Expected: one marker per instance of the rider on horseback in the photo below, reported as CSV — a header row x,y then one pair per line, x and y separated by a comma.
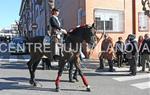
x,y
56,32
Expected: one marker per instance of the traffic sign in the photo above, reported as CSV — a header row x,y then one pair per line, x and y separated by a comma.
x,y
34,26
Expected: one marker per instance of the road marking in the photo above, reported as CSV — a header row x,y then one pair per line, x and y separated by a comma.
x,y
128,78
7,81
24,83
144,85
14,60
1,59
12,57
113,73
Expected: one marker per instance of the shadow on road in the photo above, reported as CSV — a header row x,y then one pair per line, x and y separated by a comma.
x,y
105,72
22,79
14,83
73,90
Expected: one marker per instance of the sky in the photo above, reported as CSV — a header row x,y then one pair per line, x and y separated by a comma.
x,y
9,12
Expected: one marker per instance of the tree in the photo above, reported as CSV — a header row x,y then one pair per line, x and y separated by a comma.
x,y
146,7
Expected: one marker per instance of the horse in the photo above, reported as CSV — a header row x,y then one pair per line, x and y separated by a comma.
x,y
75,37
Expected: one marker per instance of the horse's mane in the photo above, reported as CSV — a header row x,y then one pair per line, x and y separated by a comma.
x,y
78,30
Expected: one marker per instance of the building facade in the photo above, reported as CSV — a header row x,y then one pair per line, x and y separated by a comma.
x,y
114,17
9,33
34,17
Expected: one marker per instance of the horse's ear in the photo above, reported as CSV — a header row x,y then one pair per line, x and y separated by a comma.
x,y
90,27
94,26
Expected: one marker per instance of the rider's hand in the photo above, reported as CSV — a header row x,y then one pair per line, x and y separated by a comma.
x,y
63,31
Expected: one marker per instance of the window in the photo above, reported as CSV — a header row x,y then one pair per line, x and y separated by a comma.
x,y
109,20
143,22
109,24
99,24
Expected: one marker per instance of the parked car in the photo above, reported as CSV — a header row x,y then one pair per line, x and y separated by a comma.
x,y
18,46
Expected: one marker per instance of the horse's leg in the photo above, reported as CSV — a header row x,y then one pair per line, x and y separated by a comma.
x,y
75,75
48,60
48,63
60,71
30,63
70,70
32,66
78,67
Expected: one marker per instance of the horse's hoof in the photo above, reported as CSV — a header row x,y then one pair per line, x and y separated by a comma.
x,y
88,89
71,81
57,89
75,79
33,83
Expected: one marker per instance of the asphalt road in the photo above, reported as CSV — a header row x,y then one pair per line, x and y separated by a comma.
x,y
14,77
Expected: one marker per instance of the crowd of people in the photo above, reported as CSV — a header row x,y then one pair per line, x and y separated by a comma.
x,y
135,53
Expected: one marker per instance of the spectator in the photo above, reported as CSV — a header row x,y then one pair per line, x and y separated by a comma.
x,y
145,52
119,49
140,41
127,41
107,53
132,54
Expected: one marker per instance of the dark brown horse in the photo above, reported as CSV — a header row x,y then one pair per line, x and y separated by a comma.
x,y
75,37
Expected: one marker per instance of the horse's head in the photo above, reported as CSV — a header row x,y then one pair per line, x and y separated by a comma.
x,y
89,36
84,33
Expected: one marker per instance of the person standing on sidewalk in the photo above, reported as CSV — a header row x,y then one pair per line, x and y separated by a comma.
x,y
132,54
119,49
145,52
107,53
140,41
